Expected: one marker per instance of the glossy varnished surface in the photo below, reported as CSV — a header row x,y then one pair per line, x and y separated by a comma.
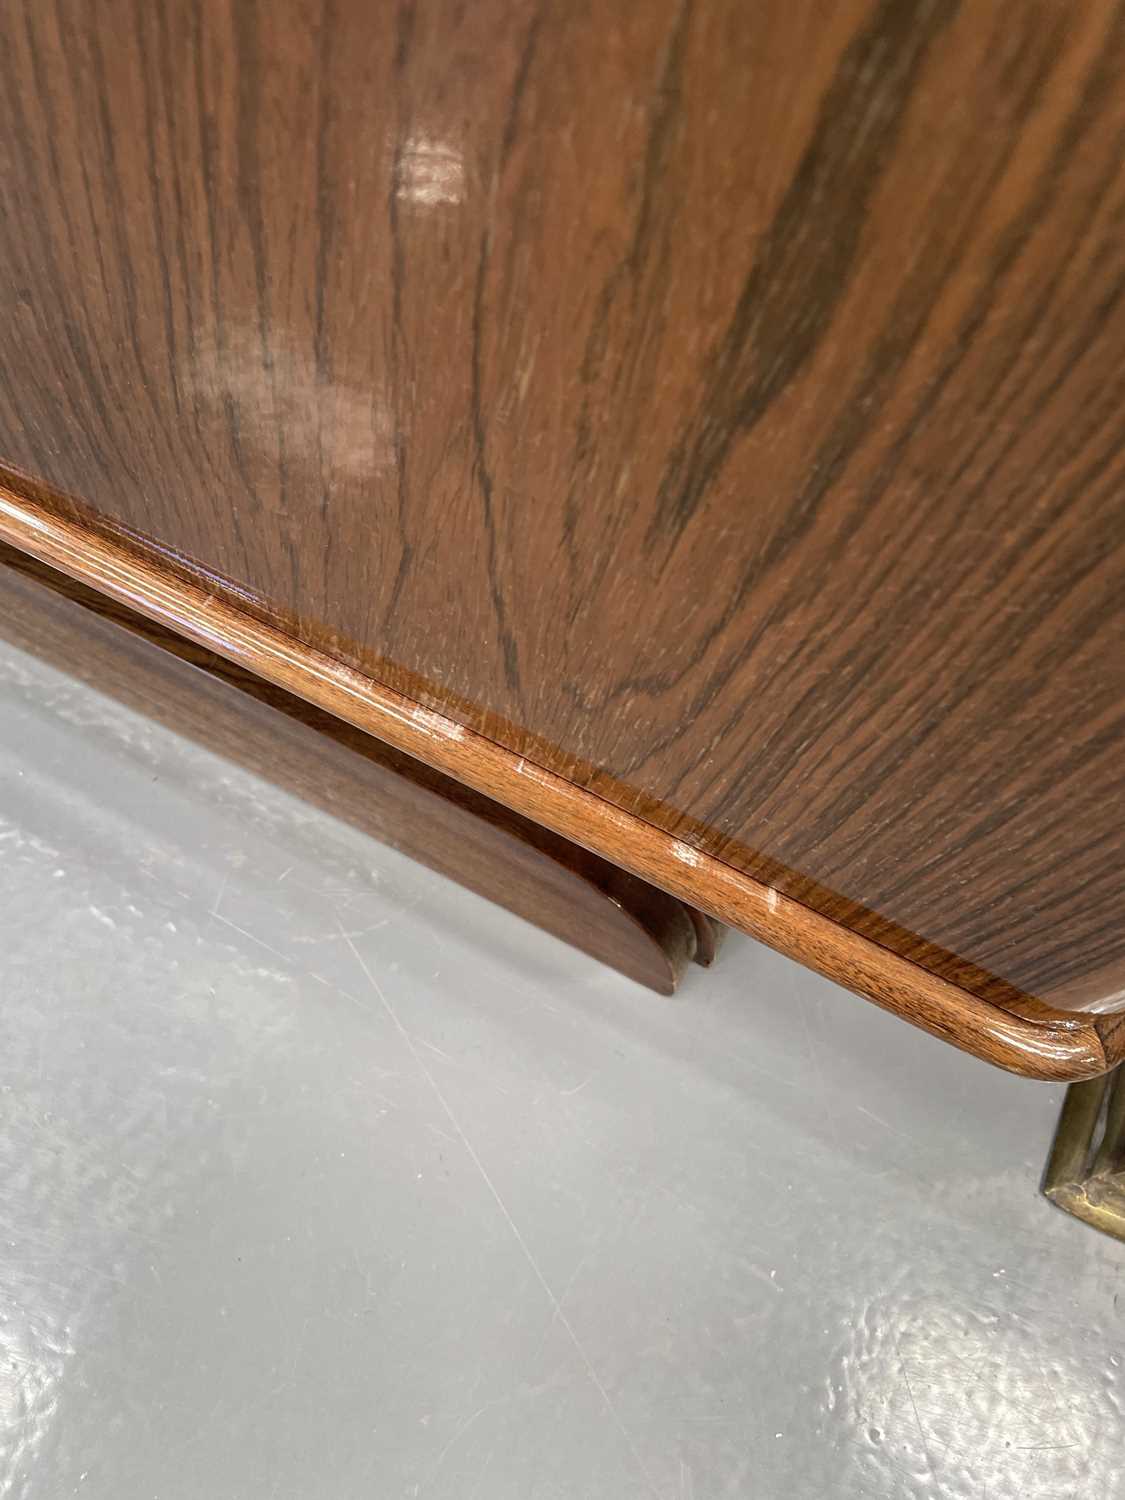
x,y
724,415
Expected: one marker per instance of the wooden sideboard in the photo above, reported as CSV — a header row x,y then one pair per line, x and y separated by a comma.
x,y
698,427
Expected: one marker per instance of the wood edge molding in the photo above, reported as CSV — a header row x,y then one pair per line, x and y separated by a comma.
x,y
1059,1047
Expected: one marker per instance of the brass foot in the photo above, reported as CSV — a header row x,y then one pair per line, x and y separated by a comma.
x,y
1086,1168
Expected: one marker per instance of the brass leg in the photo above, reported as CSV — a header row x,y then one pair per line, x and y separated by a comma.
x,y
1086,1168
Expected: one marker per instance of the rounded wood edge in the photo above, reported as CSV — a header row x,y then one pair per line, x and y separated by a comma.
x,y
1060,1048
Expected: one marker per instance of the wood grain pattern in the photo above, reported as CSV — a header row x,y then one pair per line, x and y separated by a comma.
x,y
721,414
567,891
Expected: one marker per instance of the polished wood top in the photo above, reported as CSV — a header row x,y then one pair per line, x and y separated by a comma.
x,y
721,412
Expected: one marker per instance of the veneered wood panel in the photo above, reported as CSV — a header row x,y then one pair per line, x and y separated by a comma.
x,y
719,406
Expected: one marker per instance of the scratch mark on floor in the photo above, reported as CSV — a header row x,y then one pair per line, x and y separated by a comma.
x,y
564,1321
462,1427
917,1418
571,1279
893,1130
253,939
334,937
445,1057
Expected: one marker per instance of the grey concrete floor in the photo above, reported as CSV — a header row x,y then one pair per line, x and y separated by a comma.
x,y
321,1177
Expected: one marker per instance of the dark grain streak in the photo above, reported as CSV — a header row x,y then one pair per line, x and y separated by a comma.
x,y
485,480
801,272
